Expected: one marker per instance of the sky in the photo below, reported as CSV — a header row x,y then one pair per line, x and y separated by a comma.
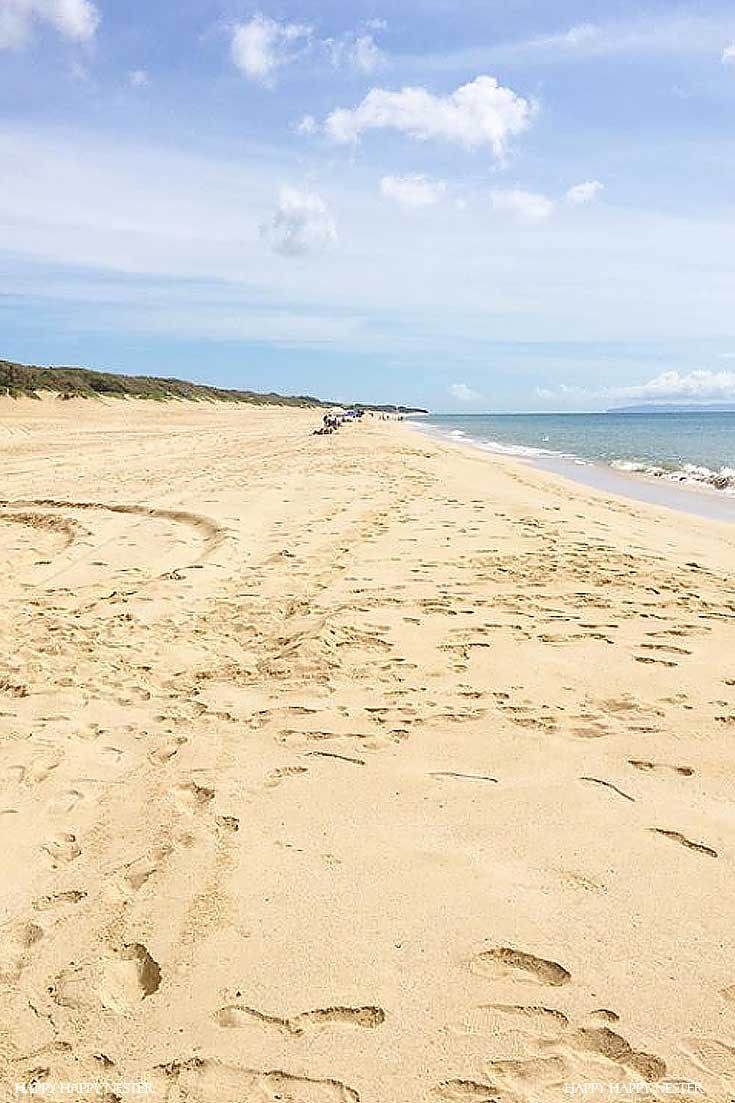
x,y
496,205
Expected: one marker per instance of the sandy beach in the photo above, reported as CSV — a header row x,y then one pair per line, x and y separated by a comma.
x,y
355,768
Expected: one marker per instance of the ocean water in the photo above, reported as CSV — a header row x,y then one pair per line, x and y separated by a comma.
x,y
693,449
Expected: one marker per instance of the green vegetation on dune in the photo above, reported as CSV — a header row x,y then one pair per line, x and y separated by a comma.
x,y
22,380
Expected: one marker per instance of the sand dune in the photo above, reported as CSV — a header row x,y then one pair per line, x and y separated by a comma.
x,y
355,768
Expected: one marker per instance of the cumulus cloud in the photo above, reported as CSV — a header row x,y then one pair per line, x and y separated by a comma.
x,y
462,393
695,386
76,20
262,46
302,224
138,78
525,204
582,194
728,55
413,191
481,113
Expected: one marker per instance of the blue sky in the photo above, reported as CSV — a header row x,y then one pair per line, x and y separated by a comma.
x,y
496,205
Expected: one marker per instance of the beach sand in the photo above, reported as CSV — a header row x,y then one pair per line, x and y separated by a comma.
x,y
357,767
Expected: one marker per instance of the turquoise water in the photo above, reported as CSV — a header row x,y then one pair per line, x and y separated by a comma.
x,y
697,449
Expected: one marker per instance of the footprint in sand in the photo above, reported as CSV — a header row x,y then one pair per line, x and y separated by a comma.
x,y
192,796
714,1056
465,1091
488,1020
505,963
533,1072
59,900
163,754
63,848
40,768
605,1015
603,1042
15,942
238,1016
116,984
209,1081
136,873
278,776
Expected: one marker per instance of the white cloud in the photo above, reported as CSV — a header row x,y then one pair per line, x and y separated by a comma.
x,y
583,34
366,55
76,20
307,125
679,32
672,32
525,204
462,393
582,194
578,35
477,114
413,191
138,78
728,55
358,50
670,386
302,224
696,386
262,46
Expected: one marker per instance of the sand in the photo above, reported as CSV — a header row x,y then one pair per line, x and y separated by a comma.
x,y
357,767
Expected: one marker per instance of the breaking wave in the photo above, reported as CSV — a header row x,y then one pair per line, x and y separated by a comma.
x,y
689,473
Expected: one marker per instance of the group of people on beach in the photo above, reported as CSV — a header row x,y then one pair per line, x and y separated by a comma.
x,y
335,418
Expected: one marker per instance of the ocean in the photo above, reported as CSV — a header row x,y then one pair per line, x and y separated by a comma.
x,y
693,450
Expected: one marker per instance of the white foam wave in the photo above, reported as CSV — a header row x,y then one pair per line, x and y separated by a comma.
x,y
514,449
690,473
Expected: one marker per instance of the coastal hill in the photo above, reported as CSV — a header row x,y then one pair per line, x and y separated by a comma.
x,y
23,380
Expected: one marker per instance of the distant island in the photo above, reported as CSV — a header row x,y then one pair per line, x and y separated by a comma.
x,y
26,381
675,408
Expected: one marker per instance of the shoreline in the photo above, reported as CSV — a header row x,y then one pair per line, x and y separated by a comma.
x,y
694,500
